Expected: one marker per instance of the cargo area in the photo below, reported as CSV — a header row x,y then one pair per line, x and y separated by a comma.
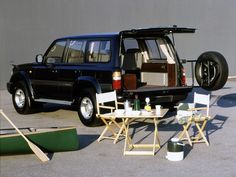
x,y
149,64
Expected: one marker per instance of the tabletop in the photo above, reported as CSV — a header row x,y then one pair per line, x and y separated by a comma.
x,y
120,113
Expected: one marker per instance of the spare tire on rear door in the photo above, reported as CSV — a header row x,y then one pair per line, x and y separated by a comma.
x,y
211,71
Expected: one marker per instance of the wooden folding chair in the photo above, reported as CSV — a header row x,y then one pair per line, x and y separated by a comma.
x,y
188,114
110,122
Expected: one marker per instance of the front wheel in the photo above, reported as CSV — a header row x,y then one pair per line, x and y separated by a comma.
x,y
87,108
21,99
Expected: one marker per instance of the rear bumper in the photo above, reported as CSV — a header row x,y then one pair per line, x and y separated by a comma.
x,y
155,90
161,94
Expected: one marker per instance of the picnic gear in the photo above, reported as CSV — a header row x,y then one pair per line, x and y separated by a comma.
x,y
194,115
175,150
111,125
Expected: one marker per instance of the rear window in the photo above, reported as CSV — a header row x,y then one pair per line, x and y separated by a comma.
x,y
154,50
159,49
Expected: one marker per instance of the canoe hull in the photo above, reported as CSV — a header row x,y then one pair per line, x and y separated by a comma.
x,y
53,140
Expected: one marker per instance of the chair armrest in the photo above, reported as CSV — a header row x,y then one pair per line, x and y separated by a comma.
x,y
197,109
201,118
184,106
107,107
106,115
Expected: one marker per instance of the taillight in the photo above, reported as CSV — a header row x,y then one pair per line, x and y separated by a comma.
x,y
116,80
183,78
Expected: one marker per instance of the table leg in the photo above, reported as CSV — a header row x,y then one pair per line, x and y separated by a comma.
x,y
126,127
156,136
129,145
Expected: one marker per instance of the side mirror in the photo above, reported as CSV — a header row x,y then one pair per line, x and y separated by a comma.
x,y
39,58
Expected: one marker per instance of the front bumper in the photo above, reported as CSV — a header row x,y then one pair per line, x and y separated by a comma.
x,y
9,87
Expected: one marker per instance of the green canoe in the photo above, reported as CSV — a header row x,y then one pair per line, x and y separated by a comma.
x,y
50,140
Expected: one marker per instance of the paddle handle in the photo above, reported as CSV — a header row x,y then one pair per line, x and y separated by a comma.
x,y
38,152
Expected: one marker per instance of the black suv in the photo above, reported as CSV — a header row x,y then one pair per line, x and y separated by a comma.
x,y
138,61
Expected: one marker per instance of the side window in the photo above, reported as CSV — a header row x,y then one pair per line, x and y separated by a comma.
x,y
130,43
76,52
99,51
55,54
154,50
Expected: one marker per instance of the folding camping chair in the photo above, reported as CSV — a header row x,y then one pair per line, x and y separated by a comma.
x,y
191,113
110,122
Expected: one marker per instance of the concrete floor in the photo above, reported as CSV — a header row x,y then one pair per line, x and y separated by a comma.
x,y
106,159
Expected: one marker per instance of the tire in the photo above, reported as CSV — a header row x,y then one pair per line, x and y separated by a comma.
x,y
211,71
21,98
87,108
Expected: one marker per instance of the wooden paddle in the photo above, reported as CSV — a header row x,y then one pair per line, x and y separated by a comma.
x,y
38,152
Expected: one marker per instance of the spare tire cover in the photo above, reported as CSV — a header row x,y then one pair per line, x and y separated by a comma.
x,y
211,71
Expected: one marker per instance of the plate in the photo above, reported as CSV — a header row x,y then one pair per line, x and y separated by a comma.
x,y
119,112
146,113
135,113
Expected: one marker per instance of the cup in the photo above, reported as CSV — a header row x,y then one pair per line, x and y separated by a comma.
x,y
158,109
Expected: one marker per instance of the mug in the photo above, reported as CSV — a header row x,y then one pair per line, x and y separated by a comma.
x,y
128,111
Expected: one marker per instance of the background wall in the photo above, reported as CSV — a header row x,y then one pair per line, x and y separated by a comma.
x,y
27,27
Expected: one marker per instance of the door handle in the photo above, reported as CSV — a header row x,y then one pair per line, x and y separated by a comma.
x,y
54,71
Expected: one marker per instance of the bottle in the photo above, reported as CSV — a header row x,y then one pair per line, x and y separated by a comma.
x,y
136,103
126,105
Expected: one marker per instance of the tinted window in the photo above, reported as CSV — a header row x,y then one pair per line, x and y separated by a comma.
x,y
130,44
76,51
154,50
99,51
55,54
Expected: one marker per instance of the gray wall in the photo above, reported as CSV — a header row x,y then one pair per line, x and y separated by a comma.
x,y
27,27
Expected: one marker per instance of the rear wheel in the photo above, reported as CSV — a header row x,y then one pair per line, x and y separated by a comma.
x,y
87,108
211,71
21,99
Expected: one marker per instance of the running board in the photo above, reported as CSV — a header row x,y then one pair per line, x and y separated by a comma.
x,y
54,101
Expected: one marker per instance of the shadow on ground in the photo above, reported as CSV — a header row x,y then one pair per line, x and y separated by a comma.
x,y
86,140
51,107
170,125
227,101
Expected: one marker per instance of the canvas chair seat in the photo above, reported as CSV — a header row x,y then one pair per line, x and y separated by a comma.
x,y
183,114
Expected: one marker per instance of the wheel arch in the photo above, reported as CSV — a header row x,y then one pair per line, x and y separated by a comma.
x,y
85,82
21,76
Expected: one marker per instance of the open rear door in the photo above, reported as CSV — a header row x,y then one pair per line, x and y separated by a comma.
x,y
156,31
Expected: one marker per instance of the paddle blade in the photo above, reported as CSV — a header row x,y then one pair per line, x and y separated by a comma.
x,y
38,152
